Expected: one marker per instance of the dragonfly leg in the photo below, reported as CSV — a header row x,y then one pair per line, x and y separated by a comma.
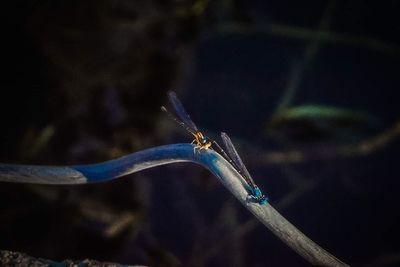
x,y
250,198
197,148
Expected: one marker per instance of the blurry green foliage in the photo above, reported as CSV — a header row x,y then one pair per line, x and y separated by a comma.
x,y
315,122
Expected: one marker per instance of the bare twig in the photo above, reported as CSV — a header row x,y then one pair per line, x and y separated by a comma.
x,y
153,157
11,258
362,148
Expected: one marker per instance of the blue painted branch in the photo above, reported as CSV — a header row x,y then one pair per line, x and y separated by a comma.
x,y
157,156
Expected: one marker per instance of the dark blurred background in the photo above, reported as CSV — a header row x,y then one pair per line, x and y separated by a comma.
x,y
306,89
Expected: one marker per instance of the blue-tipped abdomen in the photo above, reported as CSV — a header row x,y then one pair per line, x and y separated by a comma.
x,y
258,195
263,200
257,192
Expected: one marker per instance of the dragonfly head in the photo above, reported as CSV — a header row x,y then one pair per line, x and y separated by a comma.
x,y
201,139
204,140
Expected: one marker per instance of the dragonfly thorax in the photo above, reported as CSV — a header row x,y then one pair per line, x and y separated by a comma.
x,y
202,141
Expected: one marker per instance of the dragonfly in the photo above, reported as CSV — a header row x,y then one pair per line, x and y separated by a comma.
x,y
183,119
237,163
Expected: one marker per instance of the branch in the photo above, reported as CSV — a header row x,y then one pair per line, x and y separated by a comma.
x,y
11,258
162,155
362,148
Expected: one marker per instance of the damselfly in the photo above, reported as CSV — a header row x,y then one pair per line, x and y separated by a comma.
x,y
200,140
237,163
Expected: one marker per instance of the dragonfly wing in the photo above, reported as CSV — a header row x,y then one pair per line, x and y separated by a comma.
x,y
180,111
178,121
233,154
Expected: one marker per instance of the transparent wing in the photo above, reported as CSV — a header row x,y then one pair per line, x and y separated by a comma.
x,y
172,117
233,154
180,111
